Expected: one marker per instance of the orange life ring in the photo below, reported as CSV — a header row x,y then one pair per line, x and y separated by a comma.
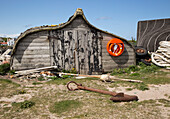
x,y
115,47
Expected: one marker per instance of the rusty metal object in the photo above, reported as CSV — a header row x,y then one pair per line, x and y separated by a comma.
x,y
117,97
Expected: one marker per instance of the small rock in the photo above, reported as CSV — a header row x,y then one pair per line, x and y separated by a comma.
x,y
21,80
105,77
32,76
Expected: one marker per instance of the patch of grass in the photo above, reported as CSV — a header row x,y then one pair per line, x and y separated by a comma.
x,y
24,105
8,88
140,68
134,74
6,81
80,116
165,102
118,71
142,87
11,72
4,68
149,69
64,106
73,71
61,78
67,76
133,68
147,74
41,78
36,83
129,89
3,110
167,96
20,92
55,78
65,81
135,104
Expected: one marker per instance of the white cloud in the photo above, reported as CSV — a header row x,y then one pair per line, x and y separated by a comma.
x,y
103,18
9,35
28,25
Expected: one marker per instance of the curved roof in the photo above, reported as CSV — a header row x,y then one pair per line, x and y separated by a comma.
x,y
78,12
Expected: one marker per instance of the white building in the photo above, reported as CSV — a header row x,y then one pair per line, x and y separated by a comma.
x,y
10,41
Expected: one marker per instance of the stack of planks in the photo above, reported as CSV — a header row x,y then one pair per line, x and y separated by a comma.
x,y
162,56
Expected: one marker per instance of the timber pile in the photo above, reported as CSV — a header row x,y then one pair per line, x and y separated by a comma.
x,y
162,56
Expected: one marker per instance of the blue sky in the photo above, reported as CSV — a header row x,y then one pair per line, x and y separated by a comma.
x,y
119,17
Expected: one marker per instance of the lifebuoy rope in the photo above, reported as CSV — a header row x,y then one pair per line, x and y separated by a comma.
x,y
115,47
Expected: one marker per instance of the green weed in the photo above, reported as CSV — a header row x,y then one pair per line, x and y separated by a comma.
x,y
143,87
165,102
64,106
24,105
36,83
55,78
67,76
134,74
140,68
4,68
9,82
21,92
41,78
73,71
11,72
129,89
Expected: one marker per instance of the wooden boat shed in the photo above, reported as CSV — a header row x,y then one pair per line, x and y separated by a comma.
x,y
74,44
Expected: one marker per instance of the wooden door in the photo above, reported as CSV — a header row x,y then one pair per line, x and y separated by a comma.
x,y
79,49
89,52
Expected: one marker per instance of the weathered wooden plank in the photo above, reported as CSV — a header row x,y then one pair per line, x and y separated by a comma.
x,y
19,68
37,35
78,23
34,48
119,64
35,38
106,41
112,67
130,51
51,44
33,44
119,61
104,46
77,52
76,29
22,68
127,57
27,60
33,56
31,52
31,64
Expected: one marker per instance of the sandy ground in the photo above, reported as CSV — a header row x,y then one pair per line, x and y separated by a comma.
x,y
154,92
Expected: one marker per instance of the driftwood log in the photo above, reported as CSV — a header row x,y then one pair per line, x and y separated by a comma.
x,y
162,56
104,77
27,72
111,78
